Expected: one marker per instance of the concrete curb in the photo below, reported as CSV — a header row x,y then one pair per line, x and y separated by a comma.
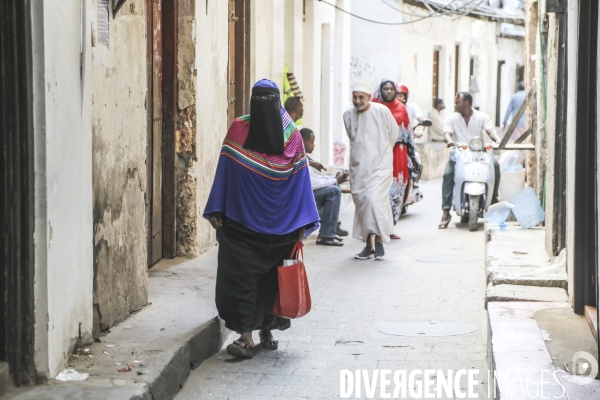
x,y
199,348
518,267
162,343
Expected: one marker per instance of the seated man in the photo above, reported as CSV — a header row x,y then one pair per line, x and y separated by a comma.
x,y
436,130
462,126
327,193
295,109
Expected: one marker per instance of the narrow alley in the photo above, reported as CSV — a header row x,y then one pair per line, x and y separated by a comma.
x,y
430,275
161,159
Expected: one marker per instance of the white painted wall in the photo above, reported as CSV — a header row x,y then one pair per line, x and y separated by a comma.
x,y
572,51
63,181
341,90
376,50
316,15
405,53
293,46
419,41
212,60
511,51
268,40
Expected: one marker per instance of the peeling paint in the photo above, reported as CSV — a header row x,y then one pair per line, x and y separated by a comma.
x,y
120,173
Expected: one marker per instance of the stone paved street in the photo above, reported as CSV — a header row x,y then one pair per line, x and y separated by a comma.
x,y
351,298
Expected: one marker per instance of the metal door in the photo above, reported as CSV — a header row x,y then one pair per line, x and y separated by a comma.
x,y
585,205
17,317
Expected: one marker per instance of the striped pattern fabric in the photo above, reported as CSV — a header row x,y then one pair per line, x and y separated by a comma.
x,y
275,167
294,85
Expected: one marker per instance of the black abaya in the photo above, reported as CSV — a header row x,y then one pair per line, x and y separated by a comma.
x,y
247,276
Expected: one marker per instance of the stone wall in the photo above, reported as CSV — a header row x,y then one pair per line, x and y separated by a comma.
x,y
185,134
119,168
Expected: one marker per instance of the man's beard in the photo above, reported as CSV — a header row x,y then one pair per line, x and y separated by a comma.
x,y
360,107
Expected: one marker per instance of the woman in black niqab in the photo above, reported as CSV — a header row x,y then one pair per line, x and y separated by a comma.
x,y
266,126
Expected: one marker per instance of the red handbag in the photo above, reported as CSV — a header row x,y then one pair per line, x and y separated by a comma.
x,y
293,299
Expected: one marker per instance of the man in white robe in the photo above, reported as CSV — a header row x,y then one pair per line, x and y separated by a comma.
x,y
373,132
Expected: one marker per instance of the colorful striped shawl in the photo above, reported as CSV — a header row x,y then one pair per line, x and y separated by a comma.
x,y
276,167
266,193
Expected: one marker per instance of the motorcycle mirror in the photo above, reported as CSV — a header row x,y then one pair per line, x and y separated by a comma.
x,y
425,122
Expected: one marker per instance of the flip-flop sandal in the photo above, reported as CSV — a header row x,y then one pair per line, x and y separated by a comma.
x,y
394,236
444,224
236,349
267,342
329,242
338,238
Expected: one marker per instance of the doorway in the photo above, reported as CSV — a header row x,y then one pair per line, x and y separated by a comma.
x,y
238,73
436,76
585,208
17,193
499,91
162,111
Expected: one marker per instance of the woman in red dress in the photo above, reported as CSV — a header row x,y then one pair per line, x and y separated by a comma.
x,y
386,95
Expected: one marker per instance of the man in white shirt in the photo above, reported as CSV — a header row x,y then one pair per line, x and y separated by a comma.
x,y
327,193
461,127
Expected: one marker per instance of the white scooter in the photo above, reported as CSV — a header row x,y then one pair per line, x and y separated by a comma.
x,y
474,180
413,192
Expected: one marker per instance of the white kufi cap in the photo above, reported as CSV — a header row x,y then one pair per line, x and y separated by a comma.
x,y
362,86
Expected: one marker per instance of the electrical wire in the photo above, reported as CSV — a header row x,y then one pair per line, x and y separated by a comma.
x,y
456,16
387,23
399,10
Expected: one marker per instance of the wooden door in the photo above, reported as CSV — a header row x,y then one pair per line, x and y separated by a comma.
x,y
233,18
242,57
156,214
238,73
435,74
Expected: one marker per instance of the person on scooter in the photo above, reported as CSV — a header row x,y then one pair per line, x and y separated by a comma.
x,y
386,95
460,127
414,112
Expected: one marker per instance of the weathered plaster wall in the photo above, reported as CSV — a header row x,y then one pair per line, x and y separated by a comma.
x,y
211,112
119,168
531,42
63,190
185,134
551,87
